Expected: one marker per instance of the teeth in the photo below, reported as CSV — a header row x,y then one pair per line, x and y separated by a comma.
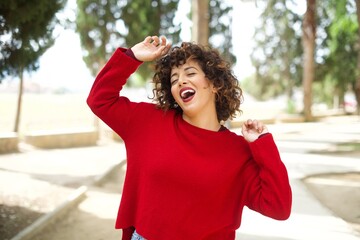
x,y
186,93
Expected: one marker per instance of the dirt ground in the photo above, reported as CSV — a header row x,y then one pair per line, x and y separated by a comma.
x,y
18,211
91,220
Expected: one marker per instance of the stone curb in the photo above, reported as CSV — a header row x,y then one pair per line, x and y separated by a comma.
x,y
99,180
71,202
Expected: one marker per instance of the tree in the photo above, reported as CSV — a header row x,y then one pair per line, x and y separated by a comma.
x,y
220,32
277,56
329,64
200,20
96,24
105,25
25,34
308,40
338,37
212,26
150,18
357,83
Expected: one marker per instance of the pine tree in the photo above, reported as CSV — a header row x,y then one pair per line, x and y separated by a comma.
x,y
25,34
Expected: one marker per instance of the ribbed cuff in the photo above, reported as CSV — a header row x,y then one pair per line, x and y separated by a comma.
x,y
131,54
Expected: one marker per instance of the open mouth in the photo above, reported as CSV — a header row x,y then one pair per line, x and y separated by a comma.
x,y
187,94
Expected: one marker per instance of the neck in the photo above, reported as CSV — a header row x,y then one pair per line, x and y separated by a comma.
x,y
208,123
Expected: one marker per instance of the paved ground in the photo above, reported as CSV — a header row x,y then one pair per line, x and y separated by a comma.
x,y
38,181
310,149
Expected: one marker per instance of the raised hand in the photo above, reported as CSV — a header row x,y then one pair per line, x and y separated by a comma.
x,y
252,129
151,48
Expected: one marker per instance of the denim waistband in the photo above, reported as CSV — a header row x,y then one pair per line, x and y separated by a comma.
x,y
137,236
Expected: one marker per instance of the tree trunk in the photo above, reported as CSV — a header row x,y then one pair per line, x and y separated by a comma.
x,y
357,83
308,40
200,19
287,75
19,102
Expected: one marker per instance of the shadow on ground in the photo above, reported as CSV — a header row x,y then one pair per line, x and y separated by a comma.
x,y
14,218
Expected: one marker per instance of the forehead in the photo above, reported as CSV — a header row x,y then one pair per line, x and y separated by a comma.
x,y
190,63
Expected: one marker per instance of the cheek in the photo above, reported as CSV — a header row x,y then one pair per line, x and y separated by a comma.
x,y
206,83
207,86
173,91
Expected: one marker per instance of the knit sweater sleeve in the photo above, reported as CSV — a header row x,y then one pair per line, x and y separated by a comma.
x,y
104,99
269,191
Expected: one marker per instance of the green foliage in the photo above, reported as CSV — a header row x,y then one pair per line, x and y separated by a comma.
x,y
264,91
104,25
338,65
96,23
25,33
278,53
220,31
323,91
155,17
144,18
277,56
291,106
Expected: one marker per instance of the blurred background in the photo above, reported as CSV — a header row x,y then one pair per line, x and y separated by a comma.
x,y
304,62
298,63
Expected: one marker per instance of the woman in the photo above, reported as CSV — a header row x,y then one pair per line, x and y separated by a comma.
x,y
188,177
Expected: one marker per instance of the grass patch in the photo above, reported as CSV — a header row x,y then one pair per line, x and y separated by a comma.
x,y
353,146
341,148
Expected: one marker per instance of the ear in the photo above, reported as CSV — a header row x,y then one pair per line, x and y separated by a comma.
x,y
214,89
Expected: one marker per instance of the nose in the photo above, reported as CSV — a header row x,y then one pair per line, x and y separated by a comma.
x,y
182,80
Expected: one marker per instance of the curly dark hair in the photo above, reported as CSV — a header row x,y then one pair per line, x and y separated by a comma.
x,y
217,71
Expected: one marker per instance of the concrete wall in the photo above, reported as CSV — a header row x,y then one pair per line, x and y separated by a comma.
x,y
8,142
62,139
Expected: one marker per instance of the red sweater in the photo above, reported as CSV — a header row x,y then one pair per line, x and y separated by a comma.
x,y
184,182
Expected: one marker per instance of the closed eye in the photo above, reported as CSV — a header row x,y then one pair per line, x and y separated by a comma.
x,y
174,81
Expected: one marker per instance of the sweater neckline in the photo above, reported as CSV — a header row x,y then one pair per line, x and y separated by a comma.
x,y
199,130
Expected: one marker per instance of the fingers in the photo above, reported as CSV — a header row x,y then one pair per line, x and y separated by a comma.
x,y
157,41
151,48
154,40
244,129
162,44
148,39
163,40
255,125
165,47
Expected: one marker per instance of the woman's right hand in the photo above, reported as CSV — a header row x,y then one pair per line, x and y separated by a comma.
x,y
151,48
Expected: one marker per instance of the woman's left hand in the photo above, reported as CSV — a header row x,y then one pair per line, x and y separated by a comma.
x,y
252,129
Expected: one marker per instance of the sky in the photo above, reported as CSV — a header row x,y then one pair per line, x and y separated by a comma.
x,y
62,66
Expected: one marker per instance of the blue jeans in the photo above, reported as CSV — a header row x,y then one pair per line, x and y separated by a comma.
x,y
136,236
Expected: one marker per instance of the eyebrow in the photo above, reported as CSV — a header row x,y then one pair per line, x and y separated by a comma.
x,y
190,67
